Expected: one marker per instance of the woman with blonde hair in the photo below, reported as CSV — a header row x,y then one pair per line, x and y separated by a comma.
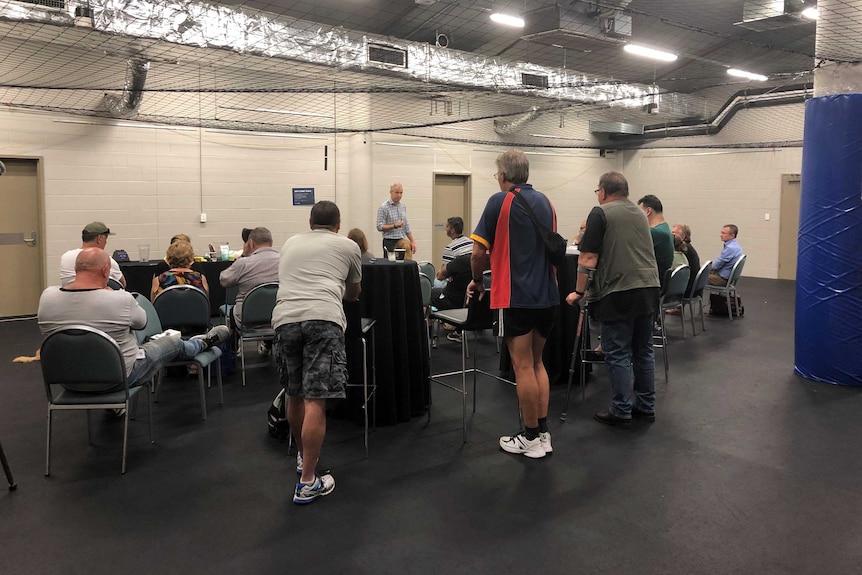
x,y
358,236
180,257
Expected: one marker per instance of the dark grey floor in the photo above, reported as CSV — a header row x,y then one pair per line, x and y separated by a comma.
x,y
749,469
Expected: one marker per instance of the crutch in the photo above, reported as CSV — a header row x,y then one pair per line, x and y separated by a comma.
x,y
576,353
12,485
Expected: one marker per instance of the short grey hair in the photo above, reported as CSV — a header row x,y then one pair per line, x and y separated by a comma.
x,y
514,166
261,235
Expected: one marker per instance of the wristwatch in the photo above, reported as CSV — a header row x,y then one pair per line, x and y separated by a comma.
x,y
580,293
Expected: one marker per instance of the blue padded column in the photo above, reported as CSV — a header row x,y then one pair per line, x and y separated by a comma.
x,y
829,270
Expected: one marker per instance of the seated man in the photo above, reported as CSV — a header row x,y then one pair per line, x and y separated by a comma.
x,y
457,275
723,264
87,301
94,235
259,267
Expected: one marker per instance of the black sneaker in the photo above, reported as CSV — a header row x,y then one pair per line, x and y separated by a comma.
x,y
218,334
645,415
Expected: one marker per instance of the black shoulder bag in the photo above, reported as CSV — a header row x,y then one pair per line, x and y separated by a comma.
x,y
555,244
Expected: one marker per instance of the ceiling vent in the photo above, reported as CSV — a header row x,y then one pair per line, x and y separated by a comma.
x,y
534,80
615,128
553,22
765,15
45,3
389,55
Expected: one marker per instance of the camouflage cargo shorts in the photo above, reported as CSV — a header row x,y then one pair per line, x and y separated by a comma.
x,y
311,359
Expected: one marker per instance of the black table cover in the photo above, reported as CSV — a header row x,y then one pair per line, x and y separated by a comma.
x,y
139,278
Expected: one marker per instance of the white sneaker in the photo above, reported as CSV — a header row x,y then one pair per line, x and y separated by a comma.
x,y
520,444
545,440
321,486
299,464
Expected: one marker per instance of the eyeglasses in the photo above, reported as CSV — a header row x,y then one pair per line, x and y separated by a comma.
x,y
597,190
494,175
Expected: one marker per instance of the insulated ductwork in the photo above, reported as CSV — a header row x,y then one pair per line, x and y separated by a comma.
x,y
506,127
554,24
127,104
191,23
764,15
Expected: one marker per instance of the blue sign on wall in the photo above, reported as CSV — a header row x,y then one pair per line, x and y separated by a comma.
x,y
303,196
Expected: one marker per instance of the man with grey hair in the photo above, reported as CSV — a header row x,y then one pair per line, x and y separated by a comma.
x,y
617,253
524,291
259,267
392,220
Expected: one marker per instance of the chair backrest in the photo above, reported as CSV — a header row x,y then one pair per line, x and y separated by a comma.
x,y
154,324
183,306
676,285
736,271
425,284
230,294
427,268
258,304
82,358
114,284
700,279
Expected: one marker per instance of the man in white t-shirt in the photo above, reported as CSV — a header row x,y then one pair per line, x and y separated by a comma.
x,y
94,235
317,270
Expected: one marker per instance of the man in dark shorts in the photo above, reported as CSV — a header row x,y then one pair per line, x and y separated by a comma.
x,y
523,290
317,270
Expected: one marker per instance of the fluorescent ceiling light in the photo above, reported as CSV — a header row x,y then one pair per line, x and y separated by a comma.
x,y
271,111
811,13
558,137
649,53
128,125
414,125
747,75
507,20
401,145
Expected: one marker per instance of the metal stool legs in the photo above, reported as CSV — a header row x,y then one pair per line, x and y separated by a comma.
x,y
12,485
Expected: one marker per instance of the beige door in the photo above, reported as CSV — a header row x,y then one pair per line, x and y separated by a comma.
x,y
788,227
20,242
451,198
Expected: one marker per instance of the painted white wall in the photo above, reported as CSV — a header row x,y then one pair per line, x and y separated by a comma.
x,y
148,184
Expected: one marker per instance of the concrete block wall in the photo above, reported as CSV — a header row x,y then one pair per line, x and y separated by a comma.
x,y
148,184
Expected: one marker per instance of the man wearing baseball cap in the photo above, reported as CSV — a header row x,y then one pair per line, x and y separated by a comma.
x,y
94,235
246,248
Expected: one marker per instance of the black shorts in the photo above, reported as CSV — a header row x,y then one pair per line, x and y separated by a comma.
x,y
513,322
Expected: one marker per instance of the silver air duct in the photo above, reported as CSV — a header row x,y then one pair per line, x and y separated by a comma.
x,y
506,127
133,92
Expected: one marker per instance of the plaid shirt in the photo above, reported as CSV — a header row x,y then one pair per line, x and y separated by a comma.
x,y
388,213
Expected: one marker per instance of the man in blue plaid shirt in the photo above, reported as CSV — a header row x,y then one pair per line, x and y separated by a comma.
x,y
392,220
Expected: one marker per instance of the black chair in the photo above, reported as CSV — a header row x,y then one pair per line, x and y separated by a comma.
x,y
183,307
114,284
671,297
696,295
256,318
203,360
729,289
85,362
477,316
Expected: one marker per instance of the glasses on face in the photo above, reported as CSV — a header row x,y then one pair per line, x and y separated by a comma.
x,y
597,190
494,175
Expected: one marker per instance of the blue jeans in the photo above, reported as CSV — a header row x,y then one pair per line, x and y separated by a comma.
x,y
160,352
627,345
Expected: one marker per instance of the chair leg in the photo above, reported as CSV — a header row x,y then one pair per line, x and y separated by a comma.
x,y
218,381
664,346
7,470
691,317
48,444
682,319
242,359
125,437
464,387
365,390
729,311
150,415
702,321
203,390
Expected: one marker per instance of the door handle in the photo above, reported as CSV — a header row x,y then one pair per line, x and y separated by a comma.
x,y
31,241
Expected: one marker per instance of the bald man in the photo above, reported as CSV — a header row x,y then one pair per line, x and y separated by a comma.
x,y
88,301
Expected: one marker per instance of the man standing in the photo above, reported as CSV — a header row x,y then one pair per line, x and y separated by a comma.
x,y
683,232
618,249
524,291
392,220
86,301
723,264
662,240
94,235
318,269
260,266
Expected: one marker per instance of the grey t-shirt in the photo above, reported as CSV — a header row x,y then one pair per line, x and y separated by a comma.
x,y
67,267
114,312
312,273
247,273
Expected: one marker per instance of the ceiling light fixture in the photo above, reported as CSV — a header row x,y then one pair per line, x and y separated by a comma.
x,y
264,134
639,50
128,125
747,75
558,137
271,111
811,13
401,145
507,20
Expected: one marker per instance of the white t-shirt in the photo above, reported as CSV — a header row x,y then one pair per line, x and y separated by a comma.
x,y
313,271
67,267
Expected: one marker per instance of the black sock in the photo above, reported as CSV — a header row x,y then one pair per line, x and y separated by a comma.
x,y
531,433
543,425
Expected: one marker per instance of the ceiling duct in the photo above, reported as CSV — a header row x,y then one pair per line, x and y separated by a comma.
x,y
597,127
133,92
508,127
554,24
218,26
764,15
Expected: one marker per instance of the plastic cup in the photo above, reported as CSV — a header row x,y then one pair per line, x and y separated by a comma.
x,y
144,252
391,256
400,254
225,252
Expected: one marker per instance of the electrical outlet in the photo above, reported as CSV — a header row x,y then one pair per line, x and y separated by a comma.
x,y
204,217
766,217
